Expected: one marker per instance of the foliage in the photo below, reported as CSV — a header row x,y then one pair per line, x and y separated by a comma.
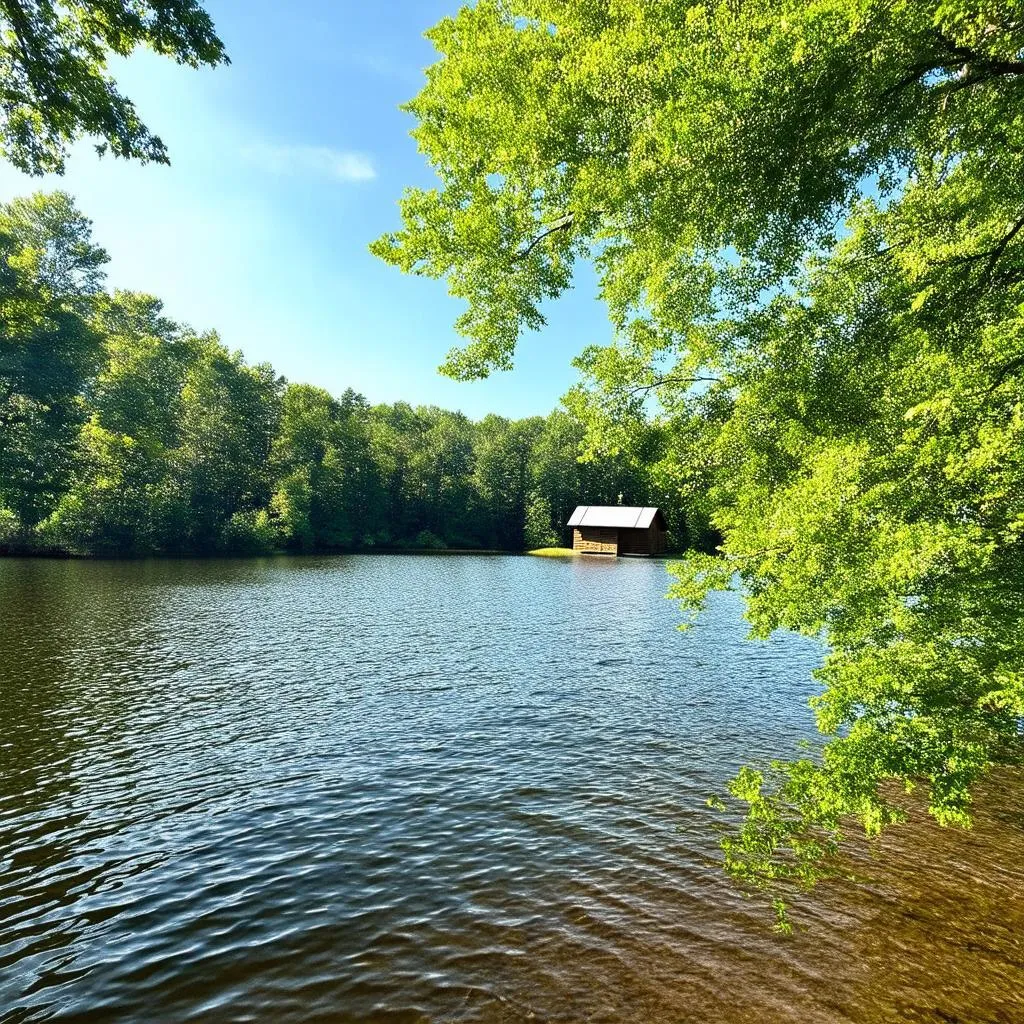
x,y
53,59
48,350
250,532
537,528
428,541
124,433
9,528
806,221
218,468
502,471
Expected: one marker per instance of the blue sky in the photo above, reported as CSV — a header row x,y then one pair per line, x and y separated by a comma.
x,y
285,165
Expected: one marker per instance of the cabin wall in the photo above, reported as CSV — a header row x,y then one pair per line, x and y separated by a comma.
x,y
659,539
651,541
597,540
634,542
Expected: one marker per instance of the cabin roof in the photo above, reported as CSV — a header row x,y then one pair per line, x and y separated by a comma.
x,y
627,517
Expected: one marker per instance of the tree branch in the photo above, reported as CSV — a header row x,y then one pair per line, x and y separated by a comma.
x,y
19,23
1004,371
672,380
992,257
1000,248
562,225
969,61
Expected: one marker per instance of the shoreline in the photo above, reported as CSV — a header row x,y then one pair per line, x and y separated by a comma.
x,y
180,556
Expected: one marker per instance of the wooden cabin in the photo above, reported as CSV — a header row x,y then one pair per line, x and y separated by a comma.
x,y
618,530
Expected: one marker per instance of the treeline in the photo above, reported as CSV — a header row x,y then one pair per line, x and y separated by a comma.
x,y
123,432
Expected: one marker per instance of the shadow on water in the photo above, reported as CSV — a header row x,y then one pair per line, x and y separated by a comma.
x,y
438,789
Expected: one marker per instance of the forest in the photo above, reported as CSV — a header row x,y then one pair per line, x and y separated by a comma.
x,y
125,433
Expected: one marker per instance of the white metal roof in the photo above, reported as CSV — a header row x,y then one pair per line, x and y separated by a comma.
x,y
623,516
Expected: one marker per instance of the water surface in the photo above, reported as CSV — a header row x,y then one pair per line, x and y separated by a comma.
x,y
437,789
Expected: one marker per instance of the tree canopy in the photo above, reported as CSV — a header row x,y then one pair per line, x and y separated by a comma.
x,y
806,219
53,60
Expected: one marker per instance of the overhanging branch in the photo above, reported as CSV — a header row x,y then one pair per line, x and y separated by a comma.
x,y
563,224
662,381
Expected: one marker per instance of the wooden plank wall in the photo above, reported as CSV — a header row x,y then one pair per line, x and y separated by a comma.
x,y
642,542
601,540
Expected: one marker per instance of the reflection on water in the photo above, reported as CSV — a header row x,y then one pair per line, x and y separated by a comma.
x,y
436,789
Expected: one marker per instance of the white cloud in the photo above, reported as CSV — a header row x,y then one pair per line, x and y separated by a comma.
x,y
324,161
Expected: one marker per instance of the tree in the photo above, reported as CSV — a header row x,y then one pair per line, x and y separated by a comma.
x,y
362,501
538,531
115,499
442,464
48,351
299,455
329,485
53,59
808,229
138,389
503,451
220,479
557,474
109,506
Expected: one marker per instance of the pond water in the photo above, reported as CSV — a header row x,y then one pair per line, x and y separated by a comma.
x,y
438,789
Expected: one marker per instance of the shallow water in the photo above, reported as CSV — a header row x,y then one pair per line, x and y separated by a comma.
x,y
437,789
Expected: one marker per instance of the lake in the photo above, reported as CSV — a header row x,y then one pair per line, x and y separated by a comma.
x,y
412,788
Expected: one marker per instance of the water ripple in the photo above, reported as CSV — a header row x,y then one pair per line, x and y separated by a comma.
x,y
437,789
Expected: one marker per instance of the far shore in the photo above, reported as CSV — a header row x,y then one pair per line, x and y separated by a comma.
x,y
315,553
